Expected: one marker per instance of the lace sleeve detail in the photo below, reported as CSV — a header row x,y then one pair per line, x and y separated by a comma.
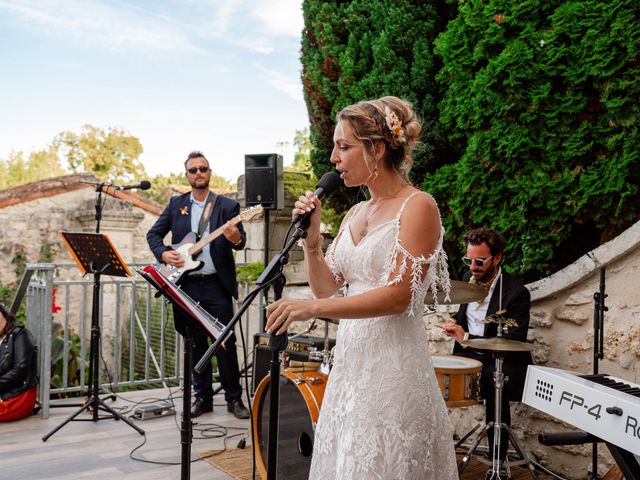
x,y
426,274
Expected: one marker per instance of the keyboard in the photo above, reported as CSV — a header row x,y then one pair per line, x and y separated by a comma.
x,y
605,406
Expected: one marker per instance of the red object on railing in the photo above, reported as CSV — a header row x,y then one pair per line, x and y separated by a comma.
x,y
54,308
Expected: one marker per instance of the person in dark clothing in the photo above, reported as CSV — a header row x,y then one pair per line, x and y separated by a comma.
x,y
214,285
507,297
18,361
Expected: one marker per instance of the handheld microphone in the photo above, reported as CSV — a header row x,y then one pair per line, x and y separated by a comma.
x,y
143,185
328,183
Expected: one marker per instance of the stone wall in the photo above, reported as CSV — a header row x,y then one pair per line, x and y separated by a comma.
x,y
32,222
32,225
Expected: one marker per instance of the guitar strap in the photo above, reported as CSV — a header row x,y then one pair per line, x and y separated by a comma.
x,y
206,213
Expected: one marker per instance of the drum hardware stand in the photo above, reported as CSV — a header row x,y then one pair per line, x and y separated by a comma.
x,y
497,471
94,253
272,274
497,464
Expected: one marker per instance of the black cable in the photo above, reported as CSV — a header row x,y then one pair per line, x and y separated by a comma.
x,y
206,431
286,237
547,471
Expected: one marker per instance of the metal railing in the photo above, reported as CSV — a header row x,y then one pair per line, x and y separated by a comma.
x,y
138,341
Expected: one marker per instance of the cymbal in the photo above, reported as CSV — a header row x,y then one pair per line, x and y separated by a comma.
x,y
497,344
461,292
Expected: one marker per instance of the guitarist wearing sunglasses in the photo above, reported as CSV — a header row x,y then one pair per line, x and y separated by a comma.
x,y
212,280
506,296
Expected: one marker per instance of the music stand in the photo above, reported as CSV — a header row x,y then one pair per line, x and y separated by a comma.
x,y
94,253
199,318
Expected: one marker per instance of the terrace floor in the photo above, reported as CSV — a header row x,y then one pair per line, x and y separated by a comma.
x,y
87,449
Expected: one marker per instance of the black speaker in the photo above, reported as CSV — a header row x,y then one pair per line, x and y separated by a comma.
x,y
297,349
263,180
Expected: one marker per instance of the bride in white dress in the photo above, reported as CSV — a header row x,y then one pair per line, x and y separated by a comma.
x,y
383,415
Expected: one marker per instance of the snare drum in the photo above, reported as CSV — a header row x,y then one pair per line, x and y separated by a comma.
x,y
458,378
300,401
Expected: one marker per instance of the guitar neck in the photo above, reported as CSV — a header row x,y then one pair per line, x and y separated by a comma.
x,y
198,246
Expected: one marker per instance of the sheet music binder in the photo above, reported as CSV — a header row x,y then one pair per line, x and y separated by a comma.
x,y
93,252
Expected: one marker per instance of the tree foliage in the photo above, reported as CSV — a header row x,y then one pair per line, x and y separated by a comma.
x,y
41,164
302,155
366,49
108,153
541,99
537,99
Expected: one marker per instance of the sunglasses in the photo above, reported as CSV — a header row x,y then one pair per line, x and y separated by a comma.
x,y
479,261
193,170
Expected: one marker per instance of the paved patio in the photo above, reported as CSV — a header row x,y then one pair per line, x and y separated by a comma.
x,y
87,449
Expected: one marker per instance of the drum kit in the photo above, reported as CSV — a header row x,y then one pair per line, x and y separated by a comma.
x,y
302,391
302,385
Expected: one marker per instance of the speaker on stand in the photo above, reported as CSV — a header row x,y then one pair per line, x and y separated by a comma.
x,y
263,185
263,180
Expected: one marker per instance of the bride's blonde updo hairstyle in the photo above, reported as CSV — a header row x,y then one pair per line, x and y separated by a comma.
x,y
390,120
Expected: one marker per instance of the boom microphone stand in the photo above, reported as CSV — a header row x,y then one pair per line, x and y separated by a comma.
x,y
271,274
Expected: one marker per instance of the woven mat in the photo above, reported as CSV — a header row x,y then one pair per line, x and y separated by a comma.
x,y
235,462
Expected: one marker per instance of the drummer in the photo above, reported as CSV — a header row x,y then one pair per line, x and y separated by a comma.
x,y
506,295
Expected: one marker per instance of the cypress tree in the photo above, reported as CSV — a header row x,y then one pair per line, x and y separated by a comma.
x,y
363,49
541,100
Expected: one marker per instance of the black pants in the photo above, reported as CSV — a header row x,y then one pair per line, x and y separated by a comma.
x,y
214,299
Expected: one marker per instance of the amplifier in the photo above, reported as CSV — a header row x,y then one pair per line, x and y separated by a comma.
x,y
297,349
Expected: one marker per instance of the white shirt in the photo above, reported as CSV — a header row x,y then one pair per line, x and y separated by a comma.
x,y
477,312
197,209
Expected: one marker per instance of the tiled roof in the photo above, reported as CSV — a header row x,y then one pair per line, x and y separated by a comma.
x,y
68,183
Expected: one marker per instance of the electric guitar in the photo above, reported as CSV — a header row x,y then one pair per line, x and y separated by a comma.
x,y
189,247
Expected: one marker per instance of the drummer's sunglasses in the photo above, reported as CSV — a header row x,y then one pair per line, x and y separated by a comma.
x,y
479,261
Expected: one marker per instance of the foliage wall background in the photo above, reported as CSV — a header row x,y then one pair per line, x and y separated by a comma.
x,y
538,100
362,49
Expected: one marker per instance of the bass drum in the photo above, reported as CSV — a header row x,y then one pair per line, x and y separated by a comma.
x,y
300,401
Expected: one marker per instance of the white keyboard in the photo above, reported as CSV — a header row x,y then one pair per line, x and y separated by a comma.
x,y
604,406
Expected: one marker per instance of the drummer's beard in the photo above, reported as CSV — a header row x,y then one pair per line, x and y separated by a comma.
x,y
486,277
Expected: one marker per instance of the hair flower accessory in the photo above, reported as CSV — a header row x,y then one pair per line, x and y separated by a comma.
x,y
393,123
184,211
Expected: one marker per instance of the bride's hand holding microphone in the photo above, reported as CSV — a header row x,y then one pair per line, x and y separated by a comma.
x,y
307,209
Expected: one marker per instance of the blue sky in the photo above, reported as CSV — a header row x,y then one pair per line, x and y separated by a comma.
x,y
221,76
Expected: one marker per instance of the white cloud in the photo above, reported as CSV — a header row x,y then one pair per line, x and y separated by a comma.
x,y
281,17
93,23
262,26
289,85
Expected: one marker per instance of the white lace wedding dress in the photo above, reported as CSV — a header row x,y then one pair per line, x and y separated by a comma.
x,y
383,415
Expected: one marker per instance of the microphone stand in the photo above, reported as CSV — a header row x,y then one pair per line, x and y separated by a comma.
x,y
598,354
277,343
